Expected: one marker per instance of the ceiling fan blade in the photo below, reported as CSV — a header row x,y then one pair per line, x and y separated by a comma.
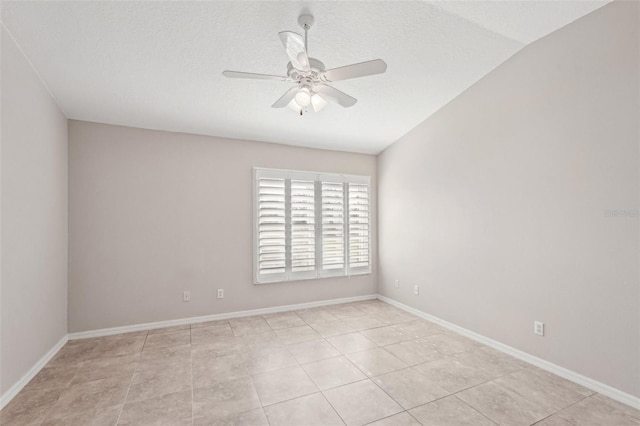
x,y
294,45
377,66
335,95
239,74
286,98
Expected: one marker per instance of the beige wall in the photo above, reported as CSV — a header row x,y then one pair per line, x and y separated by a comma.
x,y
495,205
155,213
34,218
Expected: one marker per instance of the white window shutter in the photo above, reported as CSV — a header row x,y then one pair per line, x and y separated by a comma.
x,y
359,250
333,232
310,225
271,239
302,228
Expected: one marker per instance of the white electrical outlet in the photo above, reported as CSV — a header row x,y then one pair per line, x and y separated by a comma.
x,y
186,296
220,293
396,283
538,328
416,289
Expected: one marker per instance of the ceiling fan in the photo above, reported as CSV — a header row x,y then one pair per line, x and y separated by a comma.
x,y
310,76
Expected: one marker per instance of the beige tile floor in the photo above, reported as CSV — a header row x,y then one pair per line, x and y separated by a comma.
x,y
354,364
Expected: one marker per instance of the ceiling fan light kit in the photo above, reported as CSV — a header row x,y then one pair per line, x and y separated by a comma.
x,y
311,93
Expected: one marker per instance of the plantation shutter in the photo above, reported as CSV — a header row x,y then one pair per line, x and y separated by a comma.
x,y
359,255
310,225
303,231
333,232
271,241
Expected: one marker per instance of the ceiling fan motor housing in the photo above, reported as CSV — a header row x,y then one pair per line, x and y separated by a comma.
x,y
315,72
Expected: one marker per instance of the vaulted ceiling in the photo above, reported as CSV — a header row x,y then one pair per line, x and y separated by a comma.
x,y
158,65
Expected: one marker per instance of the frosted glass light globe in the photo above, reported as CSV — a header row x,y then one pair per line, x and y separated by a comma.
x,y
303,97
318,102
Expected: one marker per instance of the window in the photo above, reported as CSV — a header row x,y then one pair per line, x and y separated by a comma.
x,y
310,225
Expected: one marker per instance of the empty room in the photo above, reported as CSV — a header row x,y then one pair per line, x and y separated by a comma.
x,y
301,213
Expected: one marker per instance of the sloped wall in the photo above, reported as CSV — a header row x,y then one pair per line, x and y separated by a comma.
x,y
518,201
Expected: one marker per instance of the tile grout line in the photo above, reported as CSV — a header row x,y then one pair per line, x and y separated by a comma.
x,y
49,410
455,394
562,409
389,416
366,378
332,407
437,399
299,365
259,399
311,380
286,347
124,401
413,417
370,378
476,410
249,375
385,392
191,363
262,406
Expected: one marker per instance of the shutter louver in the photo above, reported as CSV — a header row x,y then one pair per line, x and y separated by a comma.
x,y
271,226
332,194
358,226
303,231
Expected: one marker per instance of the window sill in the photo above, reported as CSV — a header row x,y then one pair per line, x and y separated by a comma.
x,y
357,274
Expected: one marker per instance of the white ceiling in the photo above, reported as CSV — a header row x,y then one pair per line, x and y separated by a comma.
x,y
158,65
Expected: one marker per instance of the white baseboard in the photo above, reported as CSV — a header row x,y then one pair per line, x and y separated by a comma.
x,y
585,381
17,387
214,317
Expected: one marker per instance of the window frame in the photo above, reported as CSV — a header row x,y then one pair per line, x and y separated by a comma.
x,y
317,178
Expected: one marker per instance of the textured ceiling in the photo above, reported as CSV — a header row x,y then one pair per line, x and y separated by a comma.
x,y
158,65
